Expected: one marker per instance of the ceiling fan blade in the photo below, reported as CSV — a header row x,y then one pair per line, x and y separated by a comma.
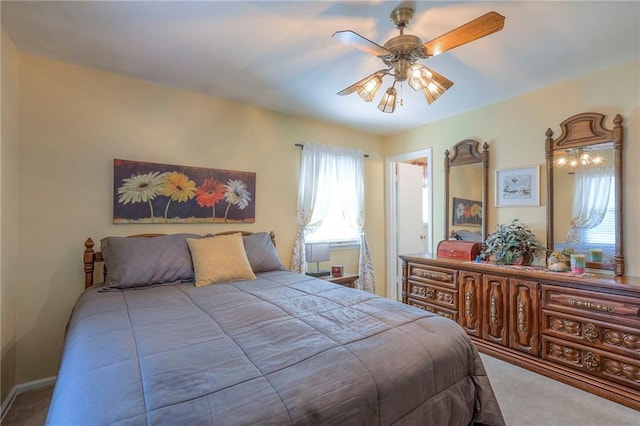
x,y
352,39
349,90
486,24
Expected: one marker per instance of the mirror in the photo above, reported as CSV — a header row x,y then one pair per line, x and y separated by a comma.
x,y
584,190
466,172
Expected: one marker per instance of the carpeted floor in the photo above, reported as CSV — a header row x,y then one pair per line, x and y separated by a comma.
x,y
530,399
29,408
526,399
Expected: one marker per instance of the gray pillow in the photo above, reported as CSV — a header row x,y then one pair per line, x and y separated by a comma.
x,y
141,262
261,253
465,235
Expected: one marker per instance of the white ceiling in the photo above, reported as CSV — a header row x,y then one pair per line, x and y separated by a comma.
x,y
280,55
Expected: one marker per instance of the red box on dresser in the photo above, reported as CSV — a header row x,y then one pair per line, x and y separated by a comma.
x,y
460,250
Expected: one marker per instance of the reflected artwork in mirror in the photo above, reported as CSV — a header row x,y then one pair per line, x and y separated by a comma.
x,y
584,191
466,173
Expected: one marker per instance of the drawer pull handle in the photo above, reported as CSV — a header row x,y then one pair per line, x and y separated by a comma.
x,y
590,333
468,303
493,310
522,316
585,304
590,361
432,275
617,308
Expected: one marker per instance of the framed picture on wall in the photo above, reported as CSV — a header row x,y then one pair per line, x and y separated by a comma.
x,y
165,193
518,187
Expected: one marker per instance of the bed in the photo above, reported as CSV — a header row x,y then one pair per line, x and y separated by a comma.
x,y
168,338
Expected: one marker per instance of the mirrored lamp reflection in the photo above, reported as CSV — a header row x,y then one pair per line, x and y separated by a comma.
x,y
575,158
317,252
368,89
388,101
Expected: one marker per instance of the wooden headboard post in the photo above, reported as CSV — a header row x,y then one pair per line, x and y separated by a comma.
x,y
89,262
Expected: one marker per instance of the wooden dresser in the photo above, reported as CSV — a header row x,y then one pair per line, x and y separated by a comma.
x,y
581,331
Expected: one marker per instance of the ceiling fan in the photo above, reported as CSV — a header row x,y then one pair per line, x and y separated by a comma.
x,y
402,53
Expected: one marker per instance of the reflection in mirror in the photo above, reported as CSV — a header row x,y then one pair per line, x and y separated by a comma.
x,y
583,191
466,171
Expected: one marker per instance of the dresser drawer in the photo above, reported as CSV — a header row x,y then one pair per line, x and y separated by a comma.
x,y
443,312
433,275
593,333
608,366
433,294
608,307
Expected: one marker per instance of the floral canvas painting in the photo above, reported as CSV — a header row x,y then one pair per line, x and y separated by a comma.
x,y
467,212
164,193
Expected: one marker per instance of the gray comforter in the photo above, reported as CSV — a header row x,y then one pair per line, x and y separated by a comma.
x,y
283,349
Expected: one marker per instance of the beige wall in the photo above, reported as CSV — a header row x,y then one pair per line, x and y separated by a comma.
x,y
9,211
75,121
515,130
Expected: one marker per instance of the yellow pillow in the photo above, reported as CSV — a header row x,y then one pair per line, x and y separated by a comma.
x,y
221,258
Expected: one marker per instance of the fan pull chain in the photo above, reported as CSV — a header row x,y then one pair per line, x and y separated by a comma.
x,y
401,98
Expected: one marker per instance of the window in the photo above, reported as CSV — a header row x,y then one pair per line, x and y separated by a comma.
x,y
334,228
331,205
604,233
334,225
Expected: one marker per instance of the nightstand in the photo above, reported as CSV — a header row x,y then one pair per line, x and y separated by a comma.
x,y
347,280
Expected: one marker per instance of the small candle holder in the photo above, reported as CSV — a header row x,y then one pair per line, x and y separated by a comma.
x,y
578,263
337,270
595,255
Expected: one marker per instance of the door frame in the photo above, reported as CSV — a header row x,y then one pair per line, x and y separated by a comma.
x,y
393,287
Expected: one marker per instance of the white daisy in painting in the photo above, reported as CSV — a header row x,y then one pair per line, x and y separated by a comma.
x,y
237,195
141,188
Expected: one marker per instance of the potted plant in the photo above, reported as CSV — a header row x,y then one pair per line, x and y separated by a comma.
x,y
512,243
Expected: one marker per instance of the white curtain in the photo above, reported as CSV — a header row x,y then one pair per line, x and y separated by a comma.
x,y
329,171
591,196
312,189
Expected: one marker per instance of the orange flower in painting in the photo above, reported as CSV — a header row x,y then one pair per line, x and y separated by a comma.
x,y
467,212
209,193
179,187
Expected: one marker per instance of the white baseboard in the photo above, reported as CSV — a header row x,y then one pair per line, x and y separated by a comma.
x,y
21,388
8,401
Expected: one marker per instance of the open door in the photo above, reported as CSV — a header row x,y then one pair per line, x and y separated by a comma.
x,y
409,225
410,209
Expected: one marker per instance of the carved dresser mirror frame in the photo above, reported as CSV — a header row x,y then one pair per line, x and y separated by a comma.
x,y
581,130
466,152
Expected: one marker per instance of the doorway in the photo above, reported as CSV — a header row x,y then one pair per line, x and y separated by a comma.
x,y
409,206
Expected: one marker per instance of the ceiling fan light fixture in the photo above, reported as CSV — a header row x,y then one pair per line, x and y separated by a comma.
x,y
419,76
436,86
402,52
367,89
440,80
432,92
388,102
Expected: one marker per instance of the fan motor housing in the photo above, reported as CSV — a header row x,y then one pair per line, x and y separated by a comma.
x,y
403,44
406,50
